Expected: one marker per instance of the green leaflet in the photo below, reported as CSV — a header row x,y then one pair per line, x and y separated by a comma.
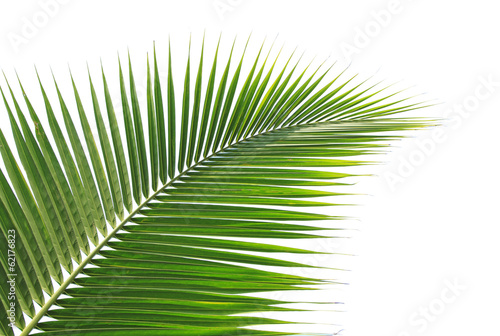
x,y
109,159
171,117
196,110
185,113
132,145
153,131
104,187
138,128
118,148
215,119
160,123
207,106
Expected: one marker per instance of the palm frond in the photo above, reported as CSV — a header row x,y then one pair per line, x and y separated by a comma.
x,y
249,153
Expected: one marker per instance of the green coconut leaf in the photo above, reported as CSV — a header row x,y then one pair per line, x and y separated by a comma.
x,y
199,217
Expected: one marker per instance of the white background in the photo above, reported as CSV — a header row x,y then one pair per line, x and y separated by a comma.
x,y
439,223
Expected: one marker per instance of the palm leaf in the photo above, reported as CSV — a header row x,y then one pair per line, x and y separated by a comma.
x,y
174,262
